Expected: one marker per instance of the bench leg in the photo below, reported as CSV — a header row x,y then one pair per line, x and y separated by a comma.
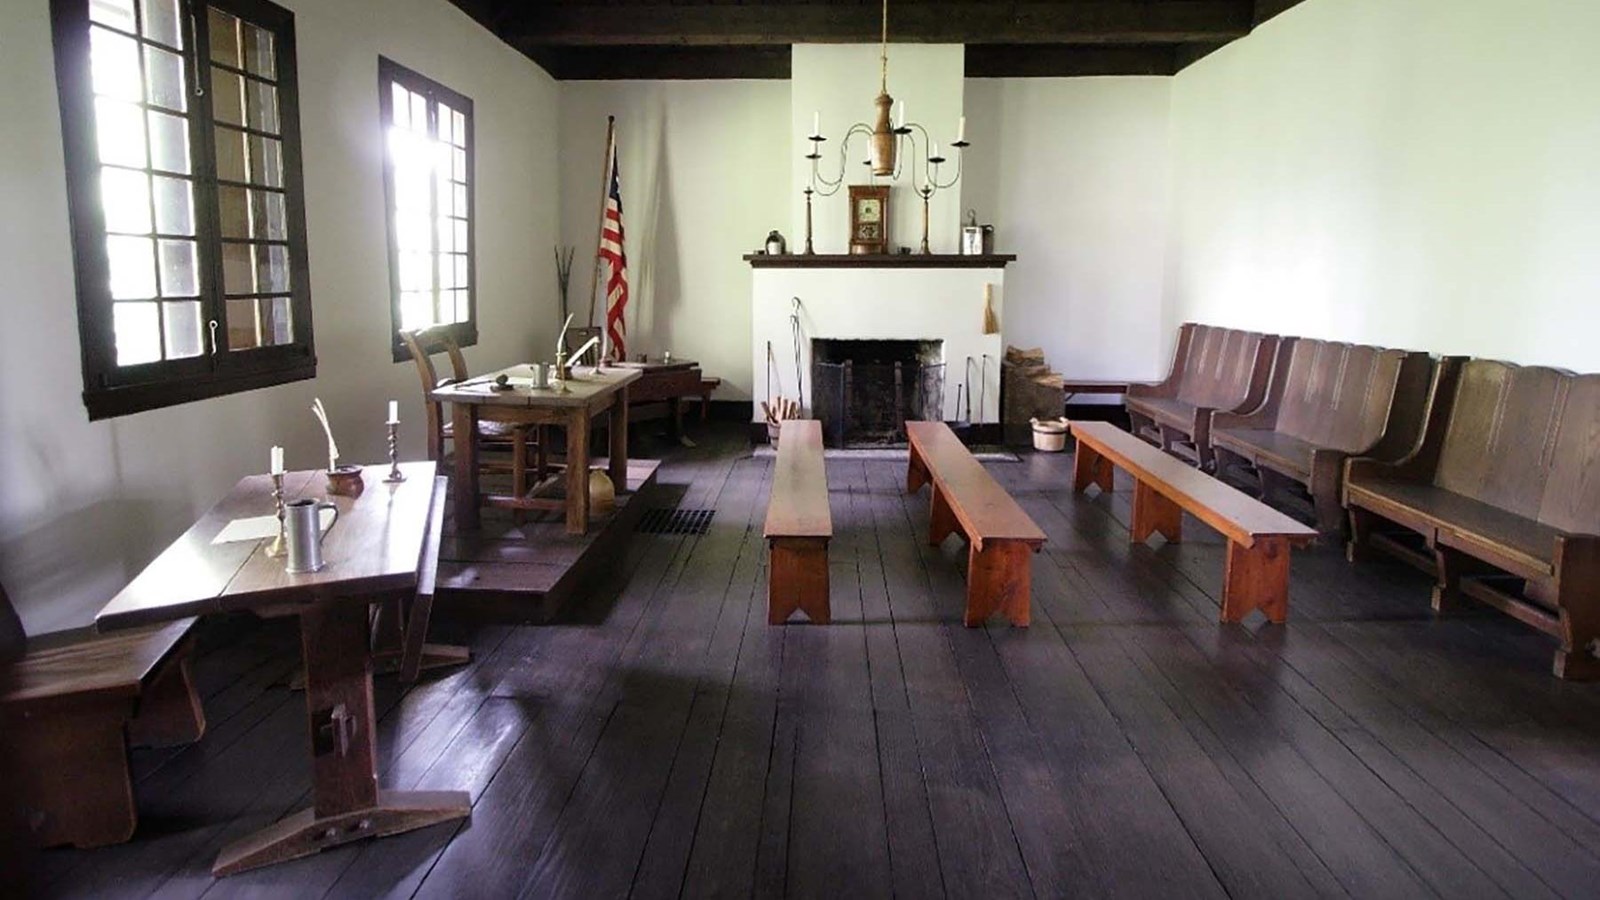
x,y
1578,589
941,519
999,579
1257,578
1359,546
1152,513
797,578
169,711
1089,467
72,775
1327,471
916,472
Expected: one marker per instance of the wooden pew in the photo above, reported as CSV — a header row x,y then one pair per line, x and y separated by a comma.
x,y
1328,401
799,526
1260,538
968,501
1212,369
1504,489
70,705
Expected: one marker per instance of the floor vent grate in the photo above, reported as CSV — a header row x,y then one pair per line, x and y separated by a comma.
x,y
676,521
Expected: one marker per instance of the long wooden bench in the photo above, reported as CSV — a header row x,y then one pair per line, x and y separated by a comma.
x,y
1328,401
1256,574
1212,369
1504,489
968,501
799,526
70,705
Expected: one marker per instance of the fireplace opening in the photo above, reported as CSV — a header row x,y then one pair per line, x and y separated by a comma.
x,y
864,391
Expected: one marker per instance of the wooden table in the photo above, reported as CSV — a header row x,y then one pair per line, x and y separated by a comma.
x,y
382,545
588,393
663,381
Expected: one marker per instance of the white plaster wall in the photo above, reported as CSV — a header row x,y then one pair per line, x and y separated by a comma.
x,y
1074,175
704,168
841,81
899,304
1417,173
85,506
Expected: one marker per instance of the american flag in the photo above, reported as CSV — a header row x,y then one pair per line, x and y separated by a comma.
x,y
616,258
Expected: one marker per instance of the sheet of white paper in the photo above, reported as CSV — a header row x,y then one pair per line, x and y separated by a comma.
x,y
258,528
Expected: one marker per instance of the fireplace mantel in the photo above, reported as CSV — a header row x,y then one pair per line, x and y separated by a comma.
x,y
879,261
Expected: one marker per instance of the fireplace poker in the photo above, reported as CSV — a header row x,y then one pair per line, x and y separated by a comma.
x,y
983,385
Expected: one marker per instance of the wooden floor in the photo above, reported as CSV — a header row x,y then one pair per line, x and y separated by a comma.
x,y
664,741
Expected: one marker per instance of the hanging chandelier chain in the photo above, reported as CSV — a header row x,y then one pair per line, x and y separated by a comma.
x,y
883,52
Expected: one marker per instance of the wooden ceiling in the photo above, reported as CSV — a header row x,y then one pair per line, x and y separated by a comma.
x,y
596,39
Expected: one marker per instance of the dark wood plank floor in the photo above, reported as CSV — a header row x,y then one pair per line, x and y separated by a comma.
x,y
663,741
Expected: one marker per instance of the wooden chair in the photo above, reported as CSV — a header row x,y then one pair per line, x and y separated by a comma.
x,y
1328,402
70,705
1504,490
493,436
1212,369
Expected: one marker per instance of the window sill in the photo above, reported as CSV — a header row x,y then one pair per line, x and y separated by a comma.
x,y
109,403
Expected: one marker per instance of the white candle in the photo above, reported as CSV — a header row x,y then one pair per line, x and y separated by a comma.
x,y
394,412
816,123
900,119
933,149
961,130
277,460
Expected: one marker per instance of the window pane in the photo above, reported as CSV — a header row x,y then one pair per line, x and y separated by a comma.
x,y
269,217
114,64
419,113
266,161
260,56
224,37
416,271
116,13
463,312
230,154
411,230
262,105
447,233
169,143
163,72
179,275
233,211
238,272
272,269
133,267
444,123
460,129
227,97
174,206
416,310
181,321
277,327
461,235
462,279
244,331
161,21
138,329
461,200
400,106
458,167
125,194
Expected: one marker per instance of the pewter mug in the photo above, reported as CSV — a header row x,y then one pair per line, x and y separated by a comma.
x,y
541,375
303,523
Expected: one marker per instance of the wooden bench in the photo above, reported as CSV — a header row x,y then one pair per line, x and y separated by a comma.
x,y
1212,369
1256,574
70,705
968,501
1504,489
799,526
1327,402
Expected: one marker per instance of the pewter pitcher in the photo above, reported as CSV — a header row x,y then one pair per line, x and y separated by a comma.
x,y
303,524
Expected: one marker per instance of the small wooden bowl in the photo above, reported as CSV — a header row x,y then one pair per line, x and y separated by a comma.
x,y
345,481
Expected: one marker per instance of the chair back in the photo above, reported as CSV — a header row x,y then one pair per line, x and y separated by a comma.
x,y
424,343
13,642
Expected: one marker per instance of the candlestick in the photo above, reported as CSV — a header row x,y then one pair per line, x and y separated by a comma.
x,y
395,476
280,543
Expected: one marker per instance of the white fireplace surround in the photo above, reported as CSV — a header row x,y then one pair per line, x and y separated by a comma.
x,y
899,303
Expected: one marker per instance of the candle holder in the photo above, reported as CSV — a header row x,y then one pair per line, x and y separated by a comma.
x,y
395,476
279,544
561,372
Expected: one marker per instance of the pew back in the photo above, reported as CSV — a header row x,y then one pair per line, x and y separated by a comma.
x,y
1572,492
1339,395
1220,366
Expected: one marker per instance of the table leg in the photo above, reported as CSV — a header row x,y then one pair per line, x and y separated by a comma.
x,y
619,439
347,803
464,418
578,471
676,407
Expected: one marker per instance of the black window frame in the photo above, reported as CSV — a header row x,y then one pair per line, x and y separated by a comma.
x,y
465,334
110,390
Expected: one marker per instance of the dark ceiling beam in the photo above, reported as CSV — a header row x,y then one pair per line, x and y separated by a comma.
x,y
662,63
1266,9
1066,61
968,21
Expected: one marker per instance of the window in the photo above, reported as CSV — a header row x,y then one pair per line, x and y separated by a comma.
x,y
428,174
180,127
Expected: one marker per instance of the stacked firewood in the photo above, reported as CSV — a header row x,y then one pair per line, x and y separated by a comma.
x,y
780,409
1029,390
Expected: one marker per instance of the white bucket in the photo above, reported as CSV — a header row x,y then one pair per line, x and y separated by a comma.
x,y
1050,436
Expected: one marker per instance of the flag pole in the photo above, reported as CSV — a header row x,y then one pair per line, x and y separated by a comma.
x,y
600,225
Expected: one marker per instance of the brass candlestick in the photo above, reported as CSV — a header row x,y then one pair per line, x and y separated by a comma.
x,y
395,476
279,544
561,371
